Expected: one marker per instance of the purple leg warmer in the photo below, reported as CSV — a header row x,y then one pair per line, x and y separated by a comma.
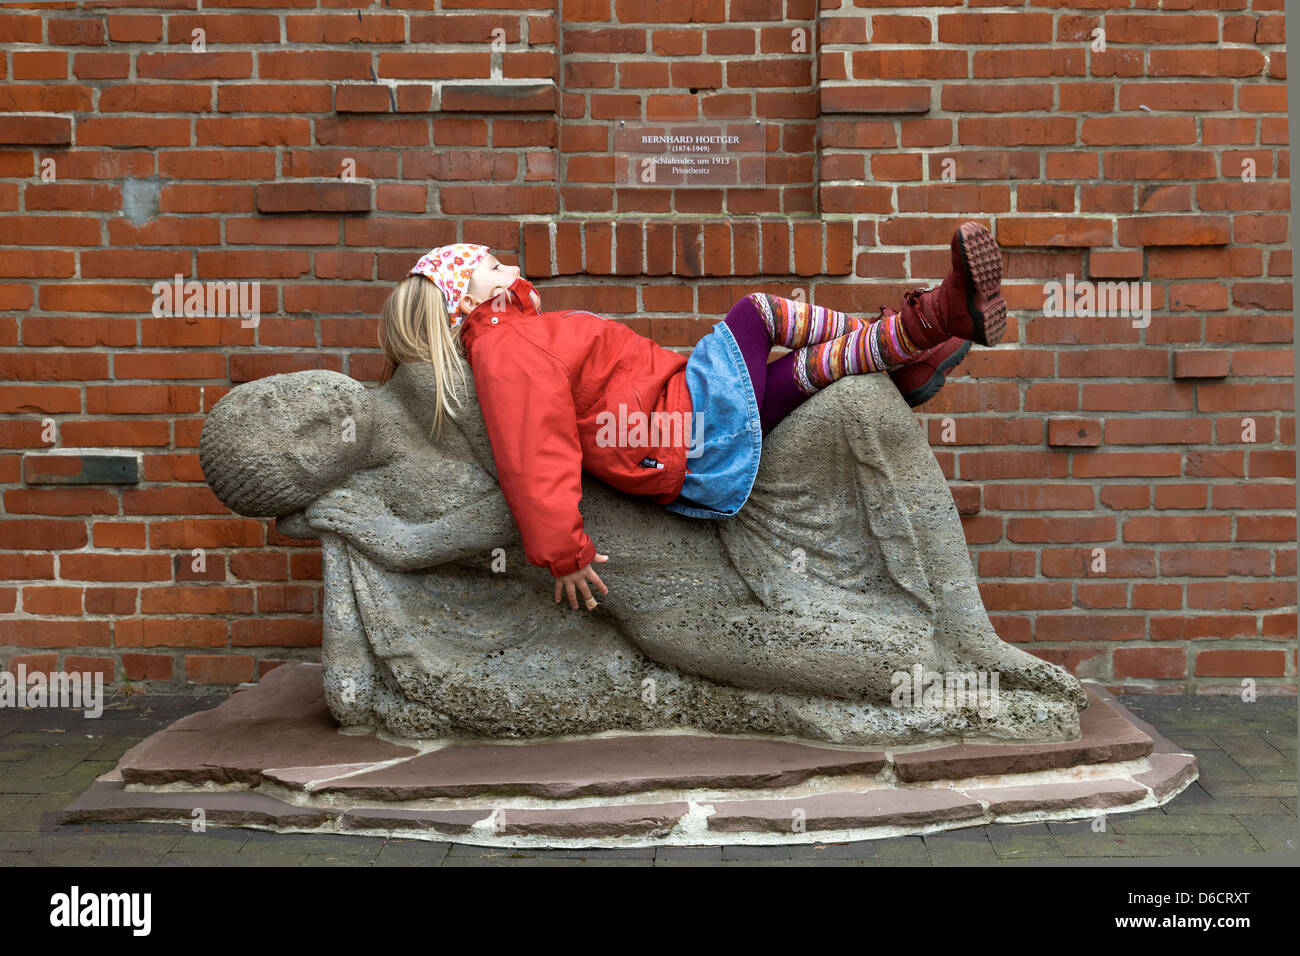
x,y
775,387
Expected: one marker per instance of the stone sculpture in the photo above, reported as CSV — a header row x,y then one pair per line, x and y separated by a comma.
x,y
795,618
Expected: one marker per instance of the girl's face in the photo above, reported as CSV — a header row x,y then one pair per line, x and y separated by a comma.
x,y
489,279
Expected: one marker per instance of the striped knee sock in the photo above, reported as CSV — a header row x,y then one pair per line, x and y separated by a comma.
x,y
880,346
793,324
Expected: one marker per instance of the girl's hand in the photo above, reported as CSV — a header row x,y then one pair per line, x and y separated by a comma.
x,y
578,579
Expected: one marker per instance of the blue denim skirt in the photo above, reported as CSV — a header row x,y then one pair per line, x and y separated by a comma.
x,y
726,430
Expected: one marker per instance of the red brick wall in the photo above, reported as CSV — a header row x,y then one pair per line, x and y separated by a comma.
x,y
492,121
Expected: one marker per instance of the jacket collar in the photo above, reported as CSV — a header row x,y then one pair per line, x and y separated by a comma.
x,y
518,302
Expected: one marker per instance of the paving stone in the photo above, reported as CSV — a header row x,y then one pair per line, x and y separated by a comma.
x,y
946,851
1218,843
129,857
336,859
756,853
578,853
600,862
1187,824
277,859
1272,832
908,848
1006,832
205,860
1074,827
1273,773
213,842
1217,766
1028,848
1248,749
114,746
1115,845
465,849
433,856
680,853
506,861
701,863
1233,805
63,841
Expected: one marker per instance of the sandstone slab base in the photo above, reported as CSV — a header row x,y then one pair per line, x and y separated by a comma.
x,y
271,757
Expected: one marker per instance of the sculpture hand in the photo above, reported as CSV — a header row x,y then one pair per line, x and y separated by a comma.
x,y
365,522
578,579
340,511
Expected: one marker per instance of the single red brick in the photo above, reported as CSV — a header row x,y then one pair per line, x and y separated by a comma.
x,y
1038,497
110,600
33,663
93,665
1106,595
1128,464
1126,497
1203,627
1089,627
147,666
1240,595
1157,597
1024,595
1007,564
52,600
1189,364
1180,528
119,534
1266,528
1182,496
1241,663
1074,432
158,632
1279,625
1149,662
967,498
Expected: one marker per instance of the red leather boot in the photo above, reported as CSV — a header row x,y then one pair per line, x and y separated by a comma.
x,y
968,303
921,378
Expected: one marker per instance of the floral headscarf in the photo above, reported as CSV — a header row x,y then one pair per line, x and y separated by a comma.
x,y
450,268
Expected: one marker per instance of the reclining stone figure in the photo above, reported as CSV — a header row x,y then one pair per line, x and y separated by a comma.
x,y
801,616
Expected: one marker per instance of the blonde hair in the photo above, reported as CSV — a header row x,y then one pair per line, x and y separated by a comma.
x,y
414,327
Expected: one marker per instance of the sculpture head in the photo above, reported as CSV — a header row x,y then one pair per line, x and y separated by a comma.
x,y
272,446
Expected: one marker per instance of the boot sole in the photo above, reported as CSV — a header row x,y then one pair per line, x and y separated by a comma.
x,y
923,393
983,262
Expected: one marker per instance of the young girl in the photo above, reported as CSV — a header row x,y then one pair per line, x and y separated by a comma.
x,y
569,390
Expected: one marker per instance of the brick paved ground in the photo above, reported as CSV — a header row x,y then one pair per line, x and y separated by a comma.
x,y
1245,801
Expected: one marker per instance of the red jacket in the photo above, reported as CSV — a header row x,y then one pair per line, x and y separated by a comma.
x,y
550,385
